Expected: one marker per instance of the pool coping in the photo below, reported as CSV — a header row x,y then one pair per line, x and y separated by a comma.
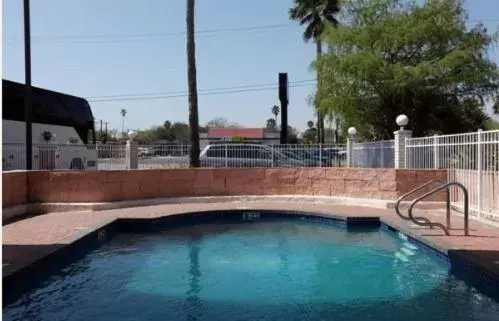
x,y
441,249
18,212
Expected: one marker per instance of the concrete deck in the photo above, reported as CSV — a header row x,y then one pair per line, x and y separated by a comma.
x,y
30,239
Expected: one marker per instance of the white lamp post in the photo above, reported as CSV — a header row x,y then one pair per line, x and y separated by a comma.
x,y
401,136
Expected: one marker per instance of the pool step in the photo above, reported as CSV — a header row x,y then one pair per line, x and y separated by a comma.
x,y
410,246
401,257
407,252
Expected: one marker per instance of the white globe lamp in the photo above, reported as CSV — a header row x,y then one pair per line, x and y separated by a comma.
x,y
402,121
352,131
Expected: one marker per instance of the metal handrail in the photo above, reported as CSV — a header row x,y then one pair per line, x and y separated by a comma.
x,y
417,220
417,189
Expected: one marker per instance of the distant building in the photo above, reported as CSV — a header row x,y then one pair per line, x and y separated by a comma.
x,y
239,135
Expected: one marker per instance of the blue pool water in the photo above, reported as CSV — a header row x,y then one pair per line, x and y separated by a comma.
x,y
261,271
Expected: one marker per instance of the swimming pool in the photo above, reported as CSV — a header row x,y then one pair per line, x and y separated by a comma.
x,y
265,270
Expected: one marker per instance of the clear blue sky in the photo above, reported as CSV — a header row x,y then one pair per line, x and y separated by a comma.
x,y
88,48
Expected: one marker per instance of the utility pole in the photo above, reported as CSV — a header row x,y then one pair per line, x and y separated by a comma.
x,y
28,106
101,129
283,97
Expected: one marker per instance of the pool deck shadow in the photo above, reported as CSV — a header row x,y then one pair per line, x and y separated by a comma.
x,y
34,238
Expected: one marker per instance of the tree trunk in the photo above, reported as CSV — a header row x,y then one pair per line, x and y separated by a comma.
x,y
320,118
193,91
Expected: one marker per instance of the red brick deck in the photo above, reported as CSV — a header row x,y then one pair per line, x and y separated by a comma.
x,y
30,239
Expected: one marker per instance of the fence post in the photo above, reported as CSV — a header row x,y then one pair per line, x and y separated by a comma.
x,y
272,155
479,172
320,155
436,158
226,156
400,141
350,143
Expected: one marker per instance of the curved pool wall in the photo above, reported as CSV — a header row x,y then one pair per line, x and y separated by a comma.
x,y
30,277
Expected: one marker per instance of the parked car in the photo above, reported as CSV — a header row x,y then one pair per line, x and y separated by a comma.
x,y
145,152
329,156
301,154
245,155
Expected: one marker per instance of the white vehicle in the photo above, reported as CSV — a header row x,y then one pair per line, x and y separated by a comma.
x,y
63,128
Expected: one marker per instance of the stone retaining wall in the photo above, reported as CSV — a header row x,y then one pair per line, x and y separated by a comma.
x,y
106,186
14,188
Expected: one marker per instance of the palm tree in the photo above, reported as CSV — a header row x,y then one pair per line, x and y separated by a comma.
x,y
310,124
315,14
275,111
192,84
123,113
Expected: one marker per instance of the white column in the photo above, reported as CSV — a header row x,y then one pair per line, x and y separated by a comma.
x,y
131,152
400,137
132,155
400,140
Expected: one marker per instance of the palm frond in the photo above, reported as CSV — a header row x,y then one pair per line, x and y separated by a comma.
x,y
314,14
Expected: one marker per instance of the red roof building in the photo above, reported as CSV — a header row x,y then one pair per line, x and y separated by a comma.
x,y
247,133
239,135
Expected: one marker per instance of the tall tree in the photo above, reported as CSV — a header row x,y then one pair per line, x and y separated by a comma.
x,y
275,112
221,122
192,85
400,56
315,14
271,123
123,113
309,135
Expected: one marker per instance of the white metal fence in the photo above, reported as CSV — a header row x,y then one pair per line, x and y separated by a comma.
x,y
378,154
471,159
114,156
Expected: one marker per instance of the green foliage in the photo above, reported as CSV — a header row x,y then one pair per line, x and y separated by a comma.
x,y
221,122
168,132
491,124
309,136
271,123
392,57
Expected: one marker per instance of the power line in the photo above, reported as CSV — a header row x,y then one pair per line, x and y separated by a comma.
x,y
122,38
199,90
200,94
205,31
104,38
